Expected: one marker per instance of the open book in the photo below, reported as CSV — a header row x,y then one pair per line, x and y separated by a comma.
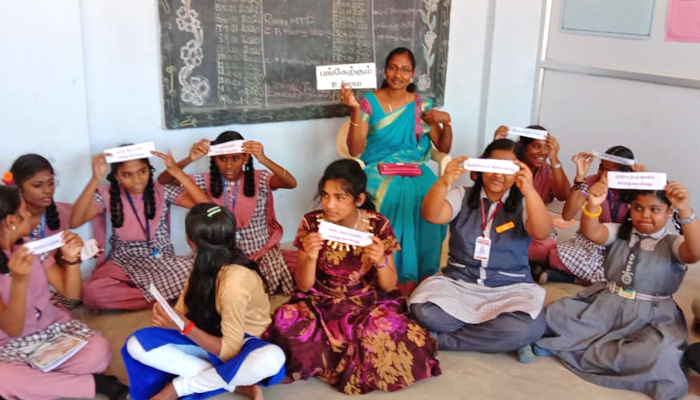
x,y
54,352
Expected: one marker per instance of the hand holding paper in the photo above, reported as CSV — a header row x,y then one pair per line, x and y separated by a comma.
x,y
20,262
162,320
52,242
232,147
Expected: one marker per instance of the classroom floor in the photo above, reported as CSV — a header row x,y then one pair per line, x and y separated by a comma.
x,y
464,375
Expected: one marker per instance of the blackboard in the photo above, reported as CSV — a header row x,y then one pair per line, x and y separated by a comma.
x,y
251,61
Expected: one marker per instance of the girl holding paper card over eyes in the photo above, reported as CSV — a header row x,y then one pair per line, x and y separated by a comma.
x,y
629,333
394,125
233,182
485,299
29,319
224,307
139,209
347,325
579,260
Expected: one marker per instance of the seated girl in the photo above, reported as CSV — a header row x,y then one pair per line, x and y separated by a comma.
x,y
347,325
485,299
629,333
579,260
224,307
27,317
142,253
234,183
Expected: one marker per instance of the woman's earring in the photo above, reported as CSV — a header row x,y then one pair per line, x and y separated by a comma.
x,y
14,228
411,80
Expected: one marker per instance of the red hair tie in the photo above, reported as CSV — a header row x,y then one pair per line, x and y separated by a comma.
x,y
8,179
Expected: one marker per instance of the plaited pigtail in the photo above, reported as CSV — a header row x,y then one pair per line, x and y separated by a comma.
x,y
215,180
149,197
249,178
53,220
3,263
116,208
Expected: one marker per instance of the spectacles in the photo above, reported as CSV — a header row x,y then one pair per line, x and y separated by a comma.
x,y
403,70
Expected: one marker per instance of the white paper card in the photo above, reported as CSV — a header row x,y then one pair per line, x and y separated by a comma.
x,y
491,165
613,158
339,233
637,180
357,76
232,147
89,250
166,307
531,133
133,152
45,245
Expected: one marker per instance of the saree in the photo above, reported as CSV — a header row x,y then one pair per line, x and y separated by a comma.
x,y
401,137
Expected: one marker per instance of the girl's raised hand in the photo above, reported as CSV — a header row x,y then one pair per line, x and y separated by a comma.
x,y
375,251
678,195
199,150
162,320
312,245
583,161
254,148
347,96
169,161
99,165
501,132
523,179
72,244
640,168
20,263
598,193
453,170
553,148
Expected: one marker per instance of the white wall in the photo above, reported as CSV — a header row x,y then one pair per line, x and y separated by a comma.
x,y
102,86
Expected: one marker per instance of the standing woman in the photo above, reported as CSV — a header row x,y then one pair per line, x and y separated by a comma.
x,y
386,127
142,253
28,318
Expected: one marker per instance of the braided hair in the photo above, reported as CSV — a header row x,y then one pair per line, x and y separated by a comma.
x,y
212,229
9,204
215,183
116,207
515,197
25,167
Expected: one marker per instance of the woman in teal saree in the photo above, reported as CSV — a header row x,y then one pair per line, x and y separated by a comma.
x,y
394,125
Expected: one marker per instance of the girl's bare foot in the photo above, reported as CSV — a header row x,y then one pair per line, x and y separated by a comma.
x,y
168,393
253,392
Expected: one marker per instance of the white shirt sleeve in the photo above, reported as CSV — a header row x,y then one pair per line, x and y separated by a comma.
x,y
613,228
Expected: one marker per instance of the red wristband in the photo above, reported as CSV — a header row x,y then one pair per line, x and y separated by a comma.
x,y
188,328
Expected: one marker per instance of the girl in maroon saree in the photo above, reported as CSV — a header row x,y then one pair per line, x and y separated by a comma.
x,y
346,324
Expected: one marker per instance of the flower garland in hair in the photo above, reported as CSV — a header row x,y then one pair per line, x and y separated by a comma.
x,y
8,179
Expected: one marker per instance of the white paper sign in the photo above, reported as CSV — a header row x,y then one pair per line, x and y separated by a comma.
x,y
133,152
507,167
89,250
637,180
531,133
339,233
166,307
357,76
615,159
232,147
45,245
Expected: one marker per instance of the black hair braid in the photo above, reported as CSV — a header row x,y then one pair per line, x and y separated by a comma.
x,y
249,178
53,221
116,208
215,186
149,197
625,229
4,269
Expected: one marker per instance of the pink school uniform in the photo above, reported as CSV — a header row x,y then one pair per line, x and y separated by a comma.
x,y
43,321
258,233
135,262
542,180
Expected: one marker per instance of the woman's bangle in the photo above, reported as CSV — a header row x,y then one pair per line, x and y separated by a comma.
x,y
354,123
687,220
386,262
188,328
448,123
66,262
556,166
590,214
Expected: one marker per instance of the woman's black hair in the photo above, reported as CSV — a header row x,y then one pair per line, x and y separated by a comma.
x,y
626,227
624,152
116,208
9,204
212,230
515,198
353,180
27,166
524,140
397,51
215,183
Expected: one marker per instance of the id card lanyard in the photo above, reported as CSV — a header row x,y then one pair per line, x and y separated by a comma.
x,y
41,235
235,194
146,229
482,248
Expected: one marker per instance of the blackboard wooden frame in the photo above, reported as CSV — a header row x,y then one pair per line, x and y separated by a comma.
x,y
177,117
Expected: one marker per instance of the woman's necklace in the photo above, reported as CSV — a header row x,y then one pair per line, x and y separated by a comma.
x,y
359,217
388,100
